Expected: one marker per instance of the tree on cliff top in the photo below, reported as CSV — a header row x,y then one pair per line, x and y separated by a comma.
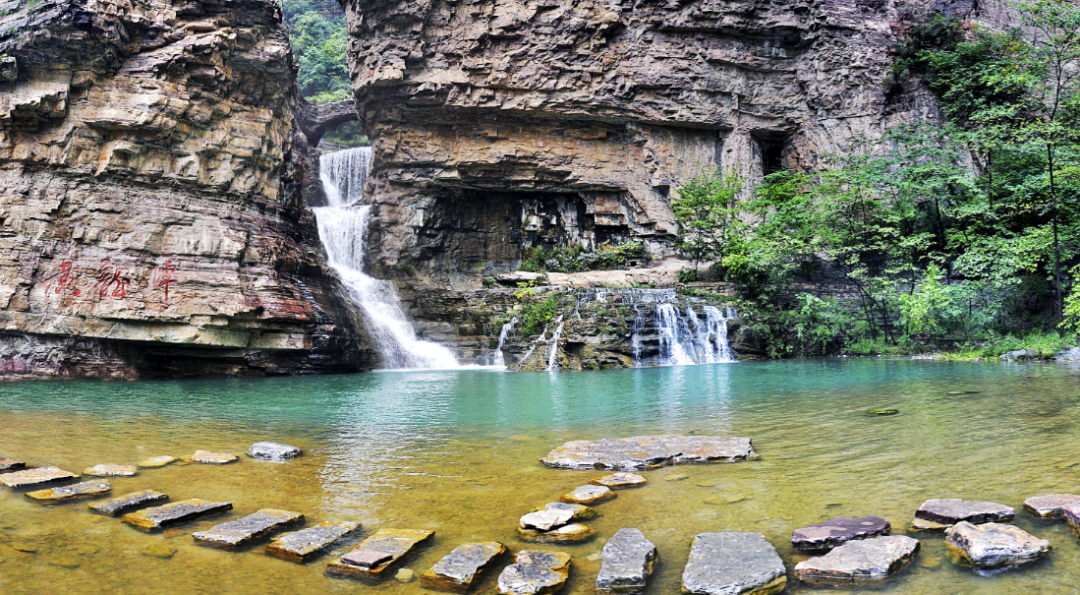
x,y
319,39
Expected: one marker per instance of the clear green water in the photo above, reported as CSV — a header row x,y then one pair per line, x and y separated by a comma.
x,y
457,452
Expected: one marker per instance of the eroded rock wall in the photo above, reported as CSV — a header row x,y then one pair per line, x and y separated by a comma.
x,y
151,210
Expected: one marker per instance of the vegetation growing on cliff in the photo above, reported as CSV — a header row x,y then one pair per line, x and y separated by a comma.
x,y
319,40
576,259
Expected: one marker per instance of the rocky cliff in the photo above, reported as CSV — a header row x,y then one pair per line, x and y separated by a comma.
x,y
151,213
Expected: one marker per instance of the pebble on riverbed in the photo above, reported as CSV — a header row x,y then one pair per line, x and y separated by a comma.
x,y
377,553
572,533
127,502
588,495
107,470
953,510
733,563
619,480
628,559
244,530
873,559
833,532
1050,506
459,570
535,573
995,546
302,545
273,451
35,477
213,458
86,489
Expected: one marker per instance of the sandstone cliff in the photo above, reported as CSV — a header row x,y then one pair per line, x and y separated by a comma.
x,y
151,212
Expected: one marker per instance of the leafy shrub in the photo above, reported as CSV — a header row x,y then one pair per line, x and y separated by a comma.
x,y
574,259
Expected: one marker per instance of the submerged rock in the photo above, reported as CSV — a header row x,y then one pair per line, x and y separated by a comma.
x,y
873,559
35,477
546,520
155,462
459,570
273,451
7,464
535,573
1051,505
86,489
405,575
306,543
924,526
581,512
159,550
628,559
213,458
111,471
127,502
377,553
953,510
573,533
249,528
588,494
619,479
833,532
644,452
994,545
159,517
732,564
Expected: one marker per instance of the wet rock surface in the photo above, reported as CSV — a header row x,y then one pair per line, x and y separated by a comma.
x,y
1050,505
8,464
953,510
111,471
733,563
645,452
918,525
35,477
580,511
535,573
273,451
833,532
628,559
459,570
588,495
872,559
213,458
619,480
992,546
392,544
546,520
85,489
159,517
249,528
1071,514
128,502
306,543
572,533
156,462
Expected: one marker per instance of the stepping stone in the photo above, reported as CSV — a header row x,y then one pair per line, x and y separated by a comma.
x,y
7,464
306,543
127,502
1071,514
574,533
1050,506
535,573
458,570
833,532
922,525
873,559
951,511
213,458
244,530
377,553
111,471
155,462
546,520
35,477
273,451
994,546
581,512
159,517
645,452
86,489
733,563
588,495
628,560
619,480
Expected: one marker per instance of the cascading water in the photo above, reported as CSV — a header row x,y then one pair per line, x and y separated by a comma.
x,y
343,231
553,350
507,331
687,339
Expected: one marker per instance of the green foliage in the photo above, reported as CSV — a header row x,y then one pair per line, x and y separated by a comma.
x,y
319,39
348,135
705,209
534,315
575,259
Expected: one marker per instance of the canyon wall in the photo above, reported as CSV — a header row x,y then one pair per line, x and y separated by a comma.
x,y
152,217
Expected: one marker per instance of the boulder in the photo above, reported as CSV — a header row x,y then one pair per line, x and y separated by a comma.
x,y
733,564
1071,514
273,451
994,546
7,464
302,545
1068,355
619,480
952,510
628,559
86,489
374,555
1019,355
572,533
645,452
535,573
546,520
588,495
1051,505
458,571
213,458
36,477
873,559
249,528
833,532
155,462
159,517
581,512
127,502
111,471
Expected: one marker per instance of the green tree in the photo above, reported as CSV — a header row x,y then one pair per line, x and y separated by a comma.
x,y
705,209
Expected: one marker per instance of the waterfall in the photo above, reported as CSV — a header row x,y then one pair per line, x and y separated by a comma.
x,y
635,334
507,331
343,231
553,351
687,339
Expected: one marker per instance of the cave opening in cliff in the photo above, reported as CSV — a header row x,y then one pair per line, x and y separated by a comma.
x,y
770,149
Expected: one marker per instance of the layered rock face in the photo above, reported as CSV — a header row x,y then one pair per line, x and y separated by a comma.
x,y
151,212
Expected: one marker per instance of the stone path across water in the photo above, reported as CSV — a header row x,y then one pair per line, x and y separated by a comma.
x,y
86,489
36,477
992,546
833,532
873,559
628,559
306,543
459,570
535,573
249,528
128,502
646,452
377,553
159,517
9,464
732,563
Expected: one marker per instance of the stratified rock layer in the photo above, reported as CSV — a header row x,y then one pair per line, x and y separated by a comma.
x,y
459,570
628,559
731,564
871,559
645,452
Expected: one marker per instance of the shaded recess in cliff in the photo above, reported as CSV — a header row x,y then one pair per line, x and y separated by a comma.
x,y
152,217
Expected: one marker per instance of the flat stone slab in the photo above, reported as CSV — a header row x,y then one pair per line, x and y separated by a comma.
x,y
213,458
8,464
953,510
619,480
833,532
35,477
572,533
394,544
247,529
86,489
588,494
158,517
306,543
458,571
873,559
995,545
1050,506
733,563
581,512
155,462
111,471
628,559
535,573
646,452
546,520
1071,514
924,526
128,502
273,451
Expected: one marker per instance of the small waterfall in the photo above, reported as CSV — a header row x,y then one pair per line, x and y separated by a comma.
x,y
635,334
343,231
687,339
553,350
507,331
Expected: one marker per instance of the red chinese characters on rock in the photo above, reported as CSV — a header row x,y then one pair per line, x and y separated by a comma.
x,y
112,282
163,275
65,279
